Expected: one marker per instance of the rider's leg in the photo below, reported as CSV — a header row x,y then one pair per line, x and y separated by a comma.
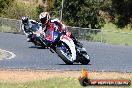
x,y
77,42
29,38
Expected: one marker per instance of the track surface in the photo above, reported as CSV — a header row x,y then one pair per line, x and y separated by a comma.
x,y
104,57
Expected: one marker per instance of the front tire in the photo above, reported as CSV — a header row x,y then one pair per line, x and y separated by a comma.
x,y
84,60
61,54
84,57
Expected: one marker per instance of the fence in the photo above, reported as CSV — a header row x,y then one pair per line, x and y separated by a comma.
x,y
81,33
116,37
95,35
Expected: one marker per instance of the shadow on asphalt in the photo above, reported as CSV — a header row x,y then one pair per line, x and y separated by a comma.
x,y
37,47
73,64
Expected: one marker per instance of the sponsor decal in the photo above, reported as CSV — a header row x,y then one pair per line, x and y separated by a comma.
x,y
65,37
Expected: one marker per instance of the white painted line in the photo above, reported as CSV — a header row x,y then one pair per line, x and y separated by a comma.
x,y
12,55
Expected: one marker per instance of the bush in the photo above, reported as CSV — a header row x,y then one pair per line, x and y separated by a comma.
x,y
17,10
40,9
4,4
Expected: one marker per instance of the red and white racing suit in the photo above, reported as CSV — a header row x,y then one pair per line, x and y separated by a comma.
x,y
54,25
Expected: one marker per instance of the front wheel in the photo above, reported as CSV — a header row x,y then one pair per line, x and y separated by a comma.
x,y
84,59
83,56
38,41
64,53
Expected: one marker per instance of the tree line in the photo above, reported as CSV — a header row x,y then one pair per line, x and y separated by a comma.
x,y
82,13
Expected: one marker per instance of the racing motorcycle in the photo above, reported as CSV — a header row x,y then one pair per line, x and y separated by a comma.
x,y
33,34
66,49
60,43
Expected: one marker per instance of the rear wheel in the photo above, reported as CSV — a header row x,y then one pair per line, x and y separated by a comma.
x,y
64,53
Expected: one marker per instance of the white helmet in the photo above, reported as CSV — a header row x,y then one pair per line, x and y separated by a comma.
x,y
44,17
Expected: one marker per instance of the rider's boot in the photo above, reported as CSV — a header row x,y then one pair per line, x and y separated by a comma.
x,y
28,40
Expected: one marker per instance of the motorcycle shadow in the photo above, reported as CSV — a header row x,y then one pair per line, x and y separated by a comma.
x,y
75,64
38,47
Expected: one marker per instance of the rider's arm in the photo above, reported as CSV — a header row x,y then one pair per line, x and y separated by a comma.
x,y
60,25
42,31
23,29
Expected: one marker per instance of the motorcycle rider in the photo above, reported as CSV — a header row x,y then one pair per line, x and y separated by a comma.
x,y
46,21
29,26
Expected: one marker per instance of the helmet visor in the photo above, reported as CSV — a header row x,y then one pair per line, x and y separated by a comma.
x,y
43,20
25,21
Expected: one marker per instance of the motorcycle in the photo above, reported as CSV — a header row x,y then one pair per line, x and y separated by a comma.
x,y
66,49
33,34
60,43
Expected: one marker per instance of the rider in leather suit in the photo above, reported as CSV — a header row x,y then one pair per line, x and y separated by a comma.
x,y
46,21
29,26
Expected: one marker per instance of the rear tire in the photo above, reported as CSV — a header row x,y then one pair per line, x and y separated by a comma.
x,y
40,43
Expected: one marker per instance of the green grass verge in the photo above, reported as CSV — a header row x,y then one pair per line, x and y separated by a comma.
x,y
113,35
5,28
54,83
114,38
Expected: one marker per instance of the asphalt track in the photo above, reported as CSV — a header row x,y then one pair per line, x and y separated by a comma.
x,y
104,57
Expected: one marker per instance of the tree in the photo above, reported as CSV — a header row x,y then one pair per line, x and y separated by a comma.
x,y
47,4
123,12
83,13
4,4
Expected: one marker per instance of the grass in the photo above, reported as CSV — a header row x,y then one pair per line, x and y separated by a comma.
x,y
113,35
114,38
54,83
5,28
21,8
50,83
